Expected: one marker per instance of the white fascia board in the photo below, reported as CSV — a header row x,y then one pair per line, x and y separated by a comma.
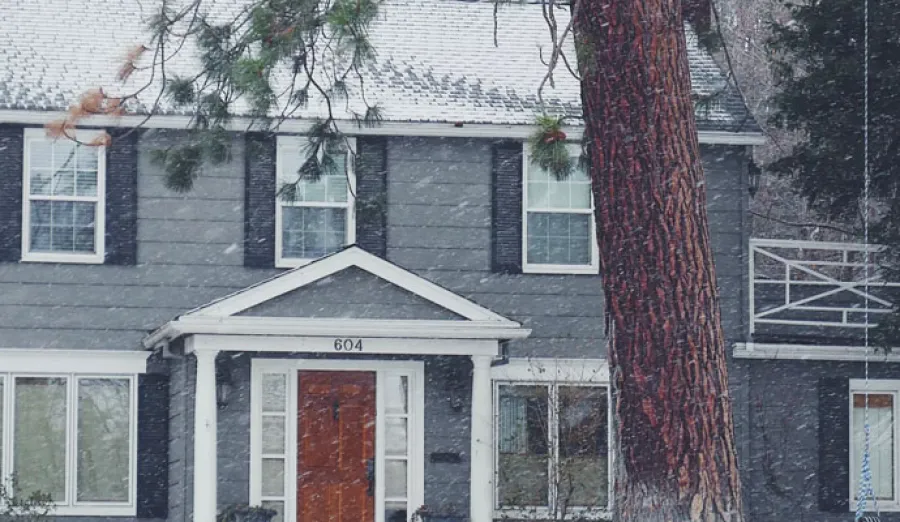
x,y
300,126
359,347
536,369
330,265
37,360
803,352
336,328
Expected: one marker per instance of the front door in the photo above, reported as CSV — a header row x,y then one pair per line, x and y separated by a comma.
x,y
336,446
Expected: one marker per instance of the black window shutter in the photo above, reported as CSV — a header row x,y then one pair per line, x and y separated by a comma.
x,y
506,228
11,151
153,446
371,195
259,201
121,197
834,445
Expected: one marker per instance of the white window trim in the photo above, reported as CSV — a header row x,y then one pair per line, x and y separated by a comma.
x,y
547,372
542,268
30,136
414,370
72,507
296,143
858,386
106,362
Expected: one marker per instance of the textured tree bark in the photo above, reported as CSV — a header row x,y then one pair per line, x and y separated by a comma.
x,y
677,459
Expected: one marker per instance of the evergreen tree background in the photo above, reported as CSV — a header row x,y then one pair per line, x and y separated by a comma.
x,y
818,60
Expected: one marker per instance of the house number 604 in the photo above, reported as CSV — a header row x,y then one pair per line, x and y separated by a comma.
x,y
348,345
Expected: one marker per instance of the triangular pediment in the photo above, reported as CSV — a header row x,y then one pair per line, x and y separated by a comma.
x,y
351,283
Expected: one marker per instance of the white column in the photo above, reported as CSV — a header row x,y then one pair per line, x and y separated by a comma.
x,y
205,472
481,495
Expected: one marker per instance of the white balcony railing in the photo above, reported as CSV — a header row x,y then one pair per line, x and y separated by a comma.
x,y
816,284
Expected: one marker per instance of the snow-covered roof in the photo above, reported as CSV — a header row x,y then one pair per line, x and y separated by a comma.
x,y
436,61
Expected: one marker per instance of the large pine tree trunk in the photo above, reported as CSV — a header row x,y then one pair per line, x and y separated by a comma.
x,y
676,458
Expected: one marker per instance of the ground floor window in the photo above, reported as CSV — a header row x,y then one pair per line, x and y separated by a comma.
x,y
552,448
882,398
70,436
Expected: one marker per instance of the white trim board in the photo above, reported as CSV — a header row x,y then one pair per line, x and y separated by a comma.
x,y
37,360
344,344
300,126
804,352
538,369
332,327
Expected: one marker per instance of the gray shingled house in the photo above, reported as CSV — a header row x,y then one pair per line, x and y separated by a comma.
x,y
165,355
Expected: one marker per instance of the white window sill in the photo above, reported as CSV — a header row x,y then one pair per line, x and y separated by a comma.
x,y
51,257
560,269
542,513
94,511
891,507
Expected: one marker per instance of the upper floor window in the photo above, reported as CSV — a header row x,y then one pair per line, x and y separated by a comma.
x,y
63,198
552,443
558,224
883,439
319,219
72,437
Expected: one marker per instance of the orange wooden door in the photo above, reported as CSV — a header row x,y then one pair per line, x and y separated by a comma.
x,y
336,447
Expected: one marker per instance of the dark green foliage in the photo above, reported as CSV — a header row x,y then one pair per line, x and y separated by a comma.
x,y
819,64
317,45
180,91
244,513
548,147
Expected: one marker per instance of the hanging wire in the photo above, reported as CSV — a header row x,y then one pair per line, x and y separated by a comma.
x,y
865,482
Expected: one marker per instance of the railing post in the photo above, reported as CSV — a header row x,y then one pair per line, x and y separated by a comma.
x,y
752,289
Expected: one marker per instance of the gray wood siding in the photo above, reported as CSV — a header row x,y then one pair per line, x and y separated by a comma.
x,y
781,478
190,251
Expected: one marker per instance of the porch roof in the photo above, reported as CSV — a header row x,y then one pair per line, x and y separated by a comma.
x,y
224,316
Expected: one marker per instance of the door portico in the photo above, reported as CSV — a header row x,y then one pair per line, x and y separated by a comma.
x,y
473,332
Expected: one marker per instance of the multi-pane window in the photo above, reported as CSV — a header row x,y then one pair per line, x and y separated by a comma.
x,y
552,449
72,437
319,218
882,400
558,225
274,442
64,200
396,447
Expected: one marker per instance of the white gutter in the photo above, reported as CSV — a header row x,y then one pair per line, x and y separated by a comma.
x,y
300,126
